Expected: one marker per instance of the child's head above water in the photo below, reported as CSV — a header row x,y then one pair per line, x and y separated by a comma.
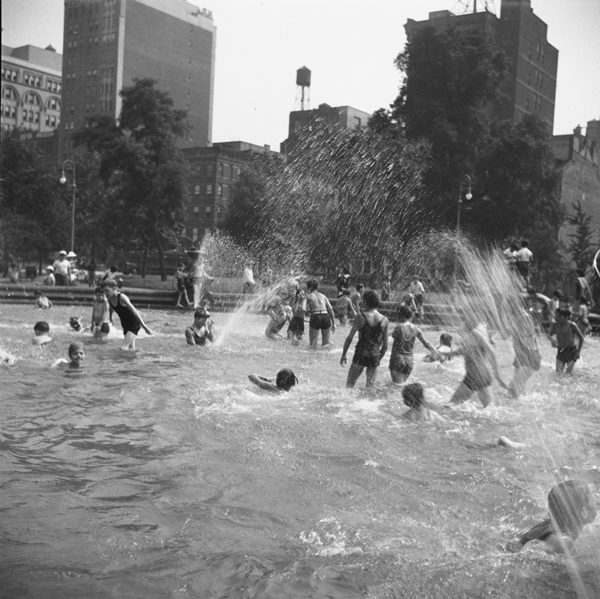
x,y
41,328
413,395
446,339
76,354
404,313
286,379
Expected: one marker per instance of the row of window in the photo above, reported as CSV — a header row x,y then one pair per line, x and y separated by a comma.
x,y
107,37
207,211
540,51
226,171
193,232
223,191
30,99
29,116
72,12
9,74
537,103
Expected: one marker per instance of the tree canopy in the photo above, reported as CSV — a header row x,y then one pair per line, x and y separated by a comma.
x,y
141,162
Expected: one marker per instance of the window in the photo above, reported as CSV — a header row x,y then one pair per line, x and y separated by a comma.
x,y
209,190
196,190
221,170
528,78
527,104
210,169
195,233
196,209
220,190
208,211
237,172
357,122
206,231
8,93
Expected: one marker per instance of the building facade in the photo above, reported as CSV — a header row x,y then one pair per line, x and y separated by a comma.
x,y
533,61
31,89
336,118
214,171
578,161
109,43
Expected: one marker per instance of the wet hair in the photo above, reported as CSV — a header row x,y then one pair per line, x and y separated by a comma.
x,y
73,347
312,284
41,327
98,290
446,339
360,287
201,313
108,283
346,270
556,293
404,312
524,243
345,291
371,299
583,300
565,312
413,395
37,292
286,379
580,273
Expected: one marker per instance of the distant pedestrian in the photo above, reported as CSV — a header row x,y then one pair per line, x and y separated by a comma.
x,y
386,290
418,291
62,270
248,279
92,266
524,257
13,273
343,281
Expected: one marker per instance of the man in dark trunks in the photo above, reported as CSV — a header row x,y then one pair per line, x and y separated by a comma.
x,y
321,313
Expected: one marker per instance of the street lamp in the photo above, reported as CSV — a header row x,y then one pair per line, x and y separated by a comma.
x,y
468,196
63,180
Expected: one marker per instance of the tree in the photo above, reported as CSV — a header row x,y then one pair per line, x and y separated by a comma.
x,y
34,214
582,246
140,159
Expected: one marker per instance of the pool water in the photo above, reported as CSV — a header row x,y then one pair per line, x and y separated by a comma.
x,y
166,473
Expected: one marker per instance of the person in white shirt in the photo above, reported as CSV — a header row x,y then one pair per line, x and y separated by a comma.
x,y
524,257
50,280
248,278
62,269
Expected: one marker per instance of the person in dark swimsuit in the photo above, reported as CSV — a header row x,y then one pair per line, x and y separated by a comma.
x,y
201,330
372,344
131,321
571,507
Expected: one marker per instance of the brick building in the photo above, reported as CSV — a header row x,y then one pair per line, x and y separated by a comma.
x,y
533,61
214,173
108,43
578,160
334,117
31,89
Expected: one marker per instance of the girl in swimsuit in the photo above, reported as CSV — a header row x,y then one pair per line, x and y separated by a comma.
x,y
131,321
201,329
479,355
372,329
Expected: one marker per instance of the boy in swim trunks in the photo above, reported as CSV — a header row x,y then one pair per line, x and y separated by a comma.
x,y
372,344
569,341
345,307
100,313
571,507
404,335
479,355
322,317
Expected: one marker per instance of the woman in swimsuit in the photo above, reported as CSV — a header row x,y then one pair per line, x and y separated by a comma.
x,y
479,355
201,329
372,344
131,321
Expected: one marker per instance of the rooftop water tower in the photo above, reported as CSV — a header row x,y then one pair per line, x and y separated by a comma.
x,y
303,90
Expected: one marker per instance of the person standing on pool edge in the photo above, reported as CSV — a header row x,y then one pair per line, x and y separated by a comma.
x,y
131,321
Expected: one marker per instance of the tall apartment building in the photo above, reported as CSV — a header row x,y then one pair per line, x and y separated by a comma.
x,y
108,43
333,117
533,61
214,172
31,88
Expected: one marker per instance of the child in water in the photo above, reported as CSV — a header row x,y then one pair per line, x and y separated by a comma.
x,y
76,357
444,348
571,507
345,307
414,397
569,341
41,334
295,331
284,381
41,301
279,316
201,330
100,315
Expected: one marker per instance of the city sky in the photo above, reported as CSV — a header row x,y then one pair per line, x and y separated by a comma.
x,y
349,46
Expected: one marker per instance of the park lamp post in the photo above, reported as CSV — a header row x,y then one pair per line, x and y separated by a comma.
x,y
468,196
63,179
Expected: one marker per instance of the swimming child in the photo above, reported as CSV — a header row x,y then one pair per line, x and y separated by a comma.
x,y
284,381
479,355
404,336
100,315
279,316
571,507
414,397
75,323
41,335
76,357
41,300
569,341
372,327
131,321
345,307
295,331
580,316
201,330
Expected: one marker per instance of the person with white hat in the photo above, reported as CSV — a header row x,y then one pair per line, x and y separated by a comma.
x,y
62,269
50,280
74,271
